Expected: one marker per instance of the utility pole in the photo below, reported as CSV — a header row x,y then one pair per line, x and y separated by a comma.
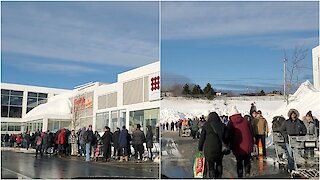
x,y
284,79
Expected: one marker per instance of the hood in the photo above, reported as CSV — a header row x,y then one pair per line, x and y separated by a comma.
x,y
213,117
293,110
236,118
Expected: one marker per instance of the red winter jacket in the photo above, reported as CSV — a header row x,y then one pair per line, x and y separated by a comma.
x,y
61,137
241,140
19,139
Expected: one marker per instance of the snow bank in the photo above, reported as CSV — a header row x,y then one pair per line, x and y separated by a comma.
x,y
305,99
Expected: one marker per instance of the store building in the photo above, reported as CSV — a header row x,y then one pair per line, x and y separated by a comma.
x,y
133,99
17,100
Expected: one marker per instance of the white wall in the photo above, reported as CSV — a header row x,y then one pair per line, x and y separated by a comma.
x,y
316,67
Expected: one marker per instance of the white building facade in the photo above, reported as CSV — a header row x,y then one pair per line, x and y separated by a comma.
x,y
17,100
316,67
133,99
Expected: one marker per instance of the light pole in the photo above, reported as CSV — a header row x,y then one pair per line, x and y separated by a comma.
x,y
284,79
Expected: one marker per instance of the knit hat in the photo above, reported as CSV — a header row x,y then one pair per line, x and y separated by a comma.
x,y
309,113
291,111
233,110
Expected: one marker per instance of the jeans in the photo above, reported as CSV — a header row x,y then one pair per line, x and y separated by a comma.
x,y
88,148
139,149
243,160
290,157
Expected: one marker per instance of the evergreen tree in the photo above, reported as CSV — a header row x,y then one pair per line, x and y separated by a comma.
x,y
186,90
262,93
196,90
209,92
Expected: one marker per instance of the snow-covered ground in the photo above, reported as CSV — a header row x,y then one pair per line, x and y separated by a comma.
x,y
304,99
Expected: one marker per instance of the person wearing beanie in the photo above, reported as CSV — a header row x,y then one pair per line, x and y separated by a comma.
x,y
293,127
138,138
261,129
241,141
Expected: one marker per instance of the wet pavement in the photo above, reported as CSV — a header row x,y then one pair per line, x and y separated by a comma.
x,y
173,166
26,165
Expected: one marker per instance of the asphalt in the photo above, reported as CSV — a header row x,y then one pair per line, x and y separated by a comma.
x,y
27,166
182,167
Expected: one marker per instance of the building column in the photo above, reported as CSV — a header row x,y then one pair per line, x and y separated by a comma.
x,y
45,124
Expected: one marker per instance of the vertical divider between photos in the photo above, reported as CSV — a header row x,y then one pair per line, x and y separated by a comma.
x,y
159,55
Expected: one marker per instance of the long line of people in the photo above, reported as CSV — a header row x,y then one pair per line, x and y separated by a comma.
x,y
241,134
88,144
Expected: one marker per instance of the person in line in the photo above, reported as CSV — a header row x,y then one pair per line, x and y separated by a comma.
x,y
138,138
292,127
116,146
211,144
82,143
61,140
72,140
149,142
167,126
311,130
172,126
106,140
38,143
123,142
88,139
45,143
194,128
241,141
253,108
261,126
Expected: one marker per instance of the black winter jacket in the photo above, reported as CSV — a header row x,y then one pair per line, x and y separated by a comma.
x,y
209,140
293,128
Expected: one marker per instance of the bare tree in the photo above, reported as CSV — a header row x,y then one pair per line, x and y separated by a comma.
x,y
293,70
78,105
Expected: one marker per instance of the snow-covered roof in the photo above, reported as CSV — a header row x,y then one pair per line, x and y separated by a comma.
x,y
56,109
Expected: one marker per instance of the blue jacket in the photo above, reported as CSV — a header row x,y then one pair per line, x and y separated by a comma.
x,y
123,141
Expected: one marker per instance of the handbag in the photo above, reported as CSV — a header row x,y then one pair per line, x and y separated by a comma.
x,y
224,148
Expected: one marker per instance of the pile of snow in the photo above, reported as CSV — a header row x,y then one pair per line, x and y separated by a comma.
x,y
305,99
173,109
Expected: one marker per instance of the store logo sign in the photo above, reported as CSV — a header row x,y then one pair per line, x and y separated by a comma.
x,y
154,86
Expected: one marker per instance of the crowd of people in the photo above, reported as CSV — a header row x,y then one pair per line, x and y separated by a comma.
x,y
86,143
241,133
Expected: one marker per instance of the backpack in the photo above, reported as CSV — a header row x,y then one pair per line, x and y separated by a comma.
x,y
39,140
276,123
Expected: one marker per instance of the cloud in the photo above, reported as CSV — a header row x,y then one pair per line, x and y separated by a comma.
x,y
246,20
169,79
113,33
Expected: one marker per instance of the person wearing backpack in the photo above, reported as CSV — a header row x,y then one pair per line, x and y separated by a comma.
x,y
39,141
88,138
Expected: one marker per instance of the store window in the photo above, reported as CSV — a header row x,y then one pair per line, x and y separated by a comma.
x,y
35,99
144,118
11,103
102,120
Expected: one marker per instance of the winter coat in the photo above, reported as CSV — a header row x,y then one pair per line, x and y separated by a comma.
x,y
138,137
19,139
241,139
115,139
72,139
81,136
61,137
123,140
209,140
194,125
45,139
293,128
106,138
149,139
89,137
261,126
311,127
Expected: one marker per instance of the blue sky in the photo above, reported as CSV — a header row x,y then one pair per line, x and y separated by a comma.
x,y
64,44
235,45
